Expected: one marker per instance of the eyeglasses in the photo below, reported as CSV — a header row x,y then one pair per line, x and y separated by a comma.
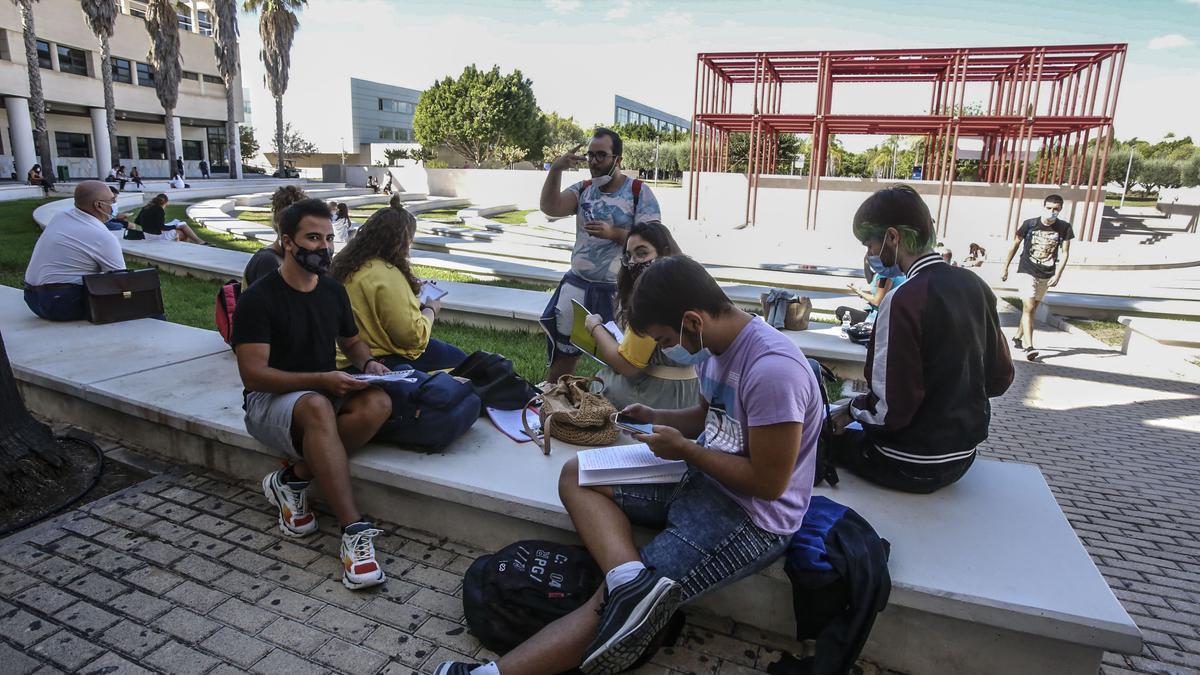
x,y
598,156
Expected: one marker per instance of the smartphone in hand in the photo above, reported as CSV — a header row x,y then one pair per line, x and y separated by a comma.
x,y
633,426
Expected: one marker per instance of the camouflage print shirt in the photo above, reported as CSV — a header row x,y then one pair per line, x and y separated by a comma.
x,y
596,259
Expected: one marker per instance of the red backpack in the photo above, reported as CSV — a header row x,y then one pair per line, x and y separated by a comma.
x,y
227,298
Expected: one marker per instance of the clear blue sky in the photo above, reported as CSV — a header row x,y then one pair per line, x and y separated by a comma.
x,y
579,53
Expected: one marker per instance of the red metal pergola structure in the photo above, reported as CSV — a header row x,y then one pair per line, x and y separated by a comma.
x,y
1061,97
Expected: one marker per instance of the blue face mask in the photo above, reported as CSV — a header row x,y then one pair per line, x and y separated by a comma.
x,y
679,354
887,271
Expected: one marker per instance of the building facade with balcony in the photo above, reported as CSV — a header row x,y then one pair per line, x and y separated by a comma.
x,y
68,55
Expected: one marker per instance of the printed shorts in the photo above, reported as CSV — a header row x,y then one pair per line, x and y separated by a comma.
x,y
707,540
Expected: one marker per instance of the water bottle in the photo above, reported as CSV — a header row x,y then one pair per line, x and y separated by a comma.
x,y
846,325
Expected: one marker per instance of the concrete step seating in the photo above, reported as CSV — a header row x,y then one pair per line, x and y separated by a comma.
x,y
988,576
1159,337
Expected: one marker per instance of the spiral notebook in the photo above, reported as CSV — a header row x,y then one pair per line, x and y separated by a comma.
x,y
626,465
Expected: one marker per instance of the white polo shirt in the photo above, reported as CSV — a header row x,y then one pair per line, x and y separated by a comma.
x,y
73,244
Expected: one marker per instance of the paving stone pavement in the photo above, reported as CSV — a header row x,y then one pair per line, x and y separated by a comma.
x,y
128,584
1120,449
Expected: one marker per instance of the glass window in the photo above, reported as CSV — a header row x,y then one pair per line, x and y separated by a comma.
x,y
387,134
193,150
189,75
622,117
71,60
217,146
213,79
72,145
145,74
392,105
184,14
205,20
152,148
137,8
43,50
122,70
123,148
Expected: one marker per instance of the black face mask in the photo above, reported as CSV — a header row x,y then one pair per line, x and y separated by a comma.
x,y
316,261
635,268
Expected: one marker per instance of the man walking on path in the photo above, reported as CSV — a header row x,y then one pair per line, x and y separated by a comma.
x,y
1040,267
605,207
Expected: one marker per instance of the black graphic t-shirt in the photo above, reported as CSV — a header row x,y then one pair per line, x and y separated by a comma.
x,y
1042,242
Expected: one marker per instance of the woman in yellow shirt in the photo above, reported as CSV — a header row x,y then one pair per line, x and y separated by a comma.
x,y
636,371
385,296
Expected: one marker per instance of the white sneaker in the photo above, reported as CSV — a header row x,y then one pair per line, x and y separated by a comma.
x,y
294,517
358,559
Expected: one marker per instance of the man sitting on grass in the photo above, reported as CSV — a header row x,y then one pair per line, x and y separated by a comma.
x,y
284,333
746,491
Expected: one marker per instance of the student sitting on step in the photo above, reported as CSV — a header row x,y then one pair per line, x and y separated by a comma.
x,y
153,221
267,259
636,371
286,332
745,493
386,296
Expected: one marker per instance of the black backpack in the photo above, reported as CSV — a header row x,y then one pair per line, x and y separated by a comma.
x,y
495,382
826,471
512,594
428,411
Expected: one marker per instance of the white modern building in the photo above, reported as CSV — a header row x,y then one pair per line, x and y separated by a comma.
x,y
69,57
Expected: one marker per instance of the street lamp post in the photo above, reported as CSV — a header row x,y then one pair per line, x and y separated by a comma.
x,y
1124,186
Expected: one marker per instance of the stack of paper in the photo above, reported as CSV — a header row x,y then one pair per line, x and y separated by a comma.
x,y
394,376
509,422
627,464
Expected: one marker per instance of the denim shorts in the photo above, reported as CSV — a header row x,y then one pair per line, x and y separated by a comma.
x,y
707,540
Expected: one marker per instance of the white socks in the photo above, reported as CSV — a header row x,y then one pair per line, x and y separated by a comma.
x,y
622,574
489,669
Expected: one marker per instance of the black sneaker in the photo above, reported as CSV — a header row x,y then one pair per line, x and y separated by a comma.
x,y
632,615
1031,353
1017,344
455,668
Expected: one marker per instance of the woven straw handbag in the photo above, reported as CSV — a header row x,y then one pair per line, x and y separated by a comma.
x,y
573,414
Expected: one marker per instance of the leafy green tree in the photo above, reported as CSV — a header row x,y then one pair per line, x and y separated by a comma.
x,y
1191,171
294,144
507,155
1160,173
558,136
478,112
790,146
247,142
390,155
422,154
1118,163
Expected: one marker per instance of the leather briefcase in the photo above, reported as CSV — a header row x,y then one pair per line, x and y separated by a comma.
x,y
123,295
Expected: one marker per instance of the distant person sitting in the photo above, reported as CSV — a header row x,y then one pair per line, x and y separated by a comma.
x,y
333,212
36,177
177,183
636,370
373,183
286,330
343,228
267,259
936,357
121,178
136,177
387,188
873,294
946,254
75,243
1040,268
976,256
203,169
153,221
605,207
386,296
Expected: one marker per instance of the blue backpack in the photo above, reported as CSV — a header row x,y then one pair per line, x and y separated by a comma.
x,y
428,411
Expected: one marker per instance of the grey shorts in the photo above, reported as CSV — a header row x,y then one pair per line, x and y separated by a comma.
x,y
269,419
1030,287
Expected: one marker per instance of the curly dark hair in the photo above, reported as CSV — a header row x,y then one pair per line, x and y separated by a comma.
x,y
284,197
387,235
657,235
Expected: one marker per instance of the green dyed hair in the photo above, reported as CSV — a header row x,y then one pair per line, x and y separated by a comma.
x,y
899,207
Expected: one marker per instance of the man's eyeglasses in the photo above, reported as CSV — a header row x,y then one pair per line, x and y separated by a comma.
x,y
598,156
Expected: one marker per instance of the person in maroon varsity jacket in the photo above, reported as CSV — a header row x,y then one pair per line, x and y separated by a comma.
x,y
937,355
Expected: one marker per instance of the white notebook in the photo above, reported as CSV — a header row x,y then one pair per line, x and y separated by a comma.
x,y
627,464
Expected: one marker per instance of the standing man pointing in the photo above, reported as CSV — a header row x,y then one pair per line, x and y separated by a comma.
x,y
605,207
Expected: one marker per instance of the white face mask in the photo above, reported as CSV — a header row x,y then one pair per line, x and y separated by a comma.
x,y
601,181
1050,216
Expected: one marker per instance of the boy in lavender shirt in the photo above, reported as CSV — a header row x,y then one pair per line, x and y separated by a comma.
x,y
746,491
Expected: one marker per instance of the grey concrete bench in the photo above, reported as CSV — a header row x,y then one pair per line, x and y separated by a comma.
x,y
1154,337
988,575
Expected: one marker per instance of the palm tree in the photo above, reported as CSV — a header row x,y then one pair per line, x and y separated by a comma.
x,y
277,26
101,17
225,46
163,24
37,101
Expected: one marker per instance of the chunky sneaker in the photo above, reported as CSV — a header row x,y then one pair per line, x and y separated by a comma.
x,y
632,616
292,501
1031,353
455,668
1017,344
358,557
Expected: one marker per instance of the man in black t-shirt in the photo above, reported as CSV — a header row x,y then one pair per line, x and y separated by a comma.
x,y
1040,267
285,330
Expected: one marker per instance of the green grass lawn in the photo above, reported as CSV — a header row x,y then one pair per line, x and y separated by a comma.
x,y
1110,333
440,214
1129,201
512,217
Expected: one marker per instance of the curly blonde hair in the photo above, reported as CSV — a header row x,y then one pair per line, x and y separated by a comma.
x,y
387,235
284,197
